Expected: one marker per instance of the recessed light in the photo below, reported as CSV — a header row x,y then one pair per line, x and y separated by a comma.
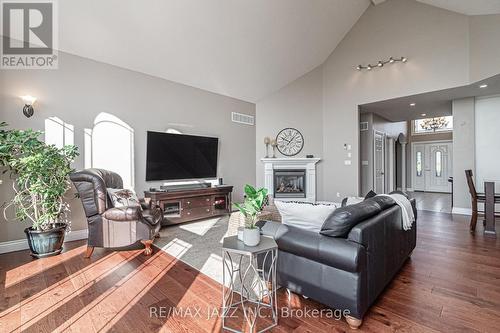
x,y
412,104
483,86
424,114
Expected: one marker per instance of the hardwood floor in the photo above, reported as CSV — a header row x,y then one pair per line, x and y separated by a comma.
x,y
451,284
432,201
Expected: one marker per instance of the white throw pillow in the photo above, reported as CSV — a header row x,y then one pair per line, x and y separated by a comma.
x,y
123,197
304,215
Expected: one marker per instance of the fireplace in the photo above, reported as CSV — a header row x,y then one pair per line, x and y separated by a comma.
x,y
289,183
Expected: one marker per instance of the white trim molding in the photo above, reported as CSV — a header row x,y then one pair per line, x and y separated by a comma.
x,y
22,244
461,211
308,164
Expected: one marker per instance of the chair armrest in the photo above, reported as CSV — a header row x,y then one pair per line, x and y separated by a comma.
x,y
129,213
152,215
335,252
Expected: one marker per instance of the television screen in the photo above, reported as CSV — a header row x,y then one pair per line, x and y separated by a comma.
x,y
179,156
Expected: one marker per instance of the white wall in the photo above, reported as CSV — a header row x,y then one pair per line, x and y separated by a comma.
x,y
81,89
463,151
487,141
438,45
298,105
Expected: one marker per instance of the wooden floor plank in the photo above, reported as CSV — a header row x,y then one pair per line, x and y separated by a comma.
x,y
451,284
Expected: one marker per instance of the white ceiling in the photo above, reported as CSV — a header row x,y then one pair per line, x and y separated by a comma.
x,y
467,7
239,48
432,104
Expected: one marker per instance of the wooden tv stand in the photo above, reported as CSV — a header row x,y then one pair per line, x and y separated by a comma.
x,y
192,204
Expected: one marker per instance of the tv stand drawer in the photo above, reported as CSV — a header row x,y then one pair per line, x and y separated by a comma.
x,y
194,213
195,202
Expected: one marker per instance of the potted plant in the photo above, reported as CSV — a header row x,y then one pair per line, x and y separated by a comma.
x,y
254,200
41,179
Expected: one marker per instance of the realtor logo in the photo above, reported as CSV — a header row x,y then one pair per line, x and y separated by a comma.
x,y
29,35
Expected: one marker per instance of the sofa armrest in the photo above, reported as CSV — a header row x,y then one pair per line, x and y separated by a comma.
x,y
335,252
129,213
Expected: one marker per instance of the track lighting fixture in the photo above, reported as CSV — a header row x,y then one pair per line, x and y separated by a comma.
x,y
381,63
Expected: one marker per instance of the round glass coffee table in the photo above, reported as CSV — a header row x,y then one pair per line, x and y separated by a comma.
x,y
257,281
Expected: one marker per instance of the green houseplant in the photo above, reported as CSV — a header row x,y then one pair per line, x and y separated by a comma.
x,y
40,173
250,208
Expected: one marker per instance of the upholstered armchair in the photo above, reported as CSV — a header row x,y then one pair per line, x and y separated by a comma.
x,y
111,227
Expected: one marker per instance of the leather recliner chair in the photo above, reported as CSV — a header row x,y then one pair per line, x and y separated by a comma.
x,y
111,227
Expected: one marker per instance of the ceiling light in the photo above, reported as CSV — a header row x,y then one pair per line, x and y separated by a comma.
x,y
412,104
381,63
424,114
483,86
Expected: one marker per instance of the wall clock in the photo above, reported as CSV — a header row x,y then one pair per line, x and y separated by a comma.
x,y
289,141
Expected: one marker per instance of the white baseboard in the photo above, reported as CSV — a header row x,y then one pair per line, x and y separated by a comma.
x,y
461,211
22,244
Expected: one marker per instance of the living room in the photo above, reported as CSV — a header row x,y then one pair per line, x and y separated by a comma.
x,y
274,94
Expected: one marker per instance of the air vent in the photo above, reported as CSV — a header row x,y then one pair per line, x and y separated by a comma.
x,y
363,126
242,118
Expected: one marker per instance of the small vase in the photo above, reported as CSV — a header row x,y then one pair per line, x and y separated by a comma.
x,y
251,237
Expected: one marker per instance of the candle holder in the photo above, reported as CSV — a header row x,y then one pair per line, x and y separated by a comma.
x,y
274,144
267,141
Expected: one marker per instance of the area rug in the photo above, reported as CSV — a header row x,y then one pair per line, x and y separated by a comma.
x,y
199,243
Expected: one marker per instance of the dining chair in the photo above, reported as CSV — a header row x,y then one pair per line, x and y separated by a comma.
x,y
476,198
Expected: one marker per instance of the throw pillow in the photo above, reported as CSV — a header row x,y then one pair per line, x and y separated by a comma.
x,y
370,194
304,215
351,201
340,222
123,197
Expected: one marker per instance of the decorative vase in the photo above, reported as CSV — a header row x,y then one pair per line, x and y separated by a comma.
x,y
46,243
251,237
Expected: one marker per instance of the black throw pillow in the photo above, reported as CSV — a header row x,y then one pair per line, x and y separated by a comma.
x,y
370,194
343,219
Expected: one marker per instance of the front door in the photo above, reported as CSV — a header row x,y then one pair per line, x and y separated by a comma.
x,y
379,162
432,165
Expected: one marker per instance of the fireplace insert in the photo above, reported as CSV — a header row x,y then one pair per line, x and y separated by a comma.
x,y
289,183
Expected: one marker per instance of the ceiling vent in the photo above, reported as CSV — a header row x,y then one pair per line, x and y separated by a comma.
x,y
242,118
363,126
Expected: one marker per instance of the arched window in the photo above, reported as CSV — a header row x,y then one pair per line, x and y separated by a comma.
x,y
419,163
438,163
110,145
58,133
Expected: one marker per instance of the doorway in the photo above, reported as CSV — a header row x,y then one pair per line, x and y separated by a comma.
x,y
378,162
432,166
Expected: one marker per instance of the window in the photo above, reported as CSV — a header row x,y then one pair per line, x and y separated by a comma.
x,y
58,132
419,163
432,125
110,145
438,163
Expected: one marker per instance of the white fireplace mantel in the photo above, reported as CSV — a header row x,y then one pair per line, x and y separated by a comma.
x,y
290,163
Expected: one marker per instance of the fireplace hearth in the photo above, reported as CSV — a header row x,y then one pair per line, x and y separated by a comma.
x,y
289,183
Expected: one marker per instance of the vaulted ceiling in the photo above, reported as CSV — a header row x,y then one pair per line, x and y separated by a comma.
x,y
239,48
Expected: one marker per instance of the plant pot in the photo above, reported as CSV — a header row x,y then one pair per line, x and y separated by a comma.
x,y
46,243
251,237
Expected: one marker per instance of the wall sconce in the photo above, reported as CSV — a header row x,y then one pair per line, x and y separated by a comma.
x,y
381,63
28,110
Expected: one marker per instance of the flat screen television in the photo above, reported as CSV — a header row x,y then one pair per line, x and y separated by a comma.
x,y
180,156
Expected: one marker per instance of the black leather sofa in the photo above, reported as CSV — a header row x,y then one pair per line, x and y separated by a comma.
x,y
347,271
